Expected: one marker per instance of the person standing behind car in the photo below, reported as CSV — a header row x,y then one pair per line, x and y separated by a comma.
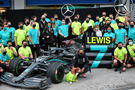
x,y
25,51
63,30
12,31
131,30
42,24
57,24
76,27
98,31
11,51
34,18
49,39
27,25
121,34
34,35
109,33
20,35
85,25
5,35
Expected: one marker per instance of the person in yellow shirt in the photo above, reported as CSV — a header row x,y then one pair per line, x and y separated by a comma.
x,y
91,21
76,27
104,17
120,57
34,18
11,51
131,50
85,25
20,35
113,22
25,51
27,25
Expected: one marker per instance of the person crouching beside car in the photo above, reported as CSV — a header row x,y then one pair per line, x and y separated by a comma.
x,y
80,63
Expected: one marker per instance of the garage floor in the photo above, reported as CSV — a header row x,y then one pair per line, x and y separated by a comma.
x,y
98,79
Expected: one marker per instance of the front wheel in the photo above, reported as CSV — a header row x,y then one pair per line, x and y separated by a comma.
x,y
55,72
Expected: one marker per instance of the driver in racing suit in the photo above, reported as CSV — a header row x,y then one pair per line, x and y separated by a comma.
x,y
80,63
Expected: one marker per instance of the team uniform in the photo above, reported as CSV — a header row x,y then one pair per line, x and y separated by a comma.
x,y
34,34
112,35
76,26
20,36
120,53
5,36
10,52
25,51
120,35
131,33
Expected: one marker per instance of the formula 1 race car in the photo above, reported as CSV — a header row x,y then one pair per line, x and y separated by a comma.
x,y
49,67
41,72
36,73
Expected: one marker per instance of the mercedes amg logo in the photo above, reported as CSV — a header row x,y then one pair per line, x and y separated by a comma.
x,y
122,5
68,10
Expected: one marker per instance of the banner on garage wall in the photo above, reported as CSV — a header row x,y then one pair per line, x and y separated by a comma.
x,y
5,3
59,2
16,16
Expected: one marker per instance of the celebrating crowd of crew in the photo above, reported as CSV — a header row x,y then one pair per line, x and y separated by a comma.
x,y
32,35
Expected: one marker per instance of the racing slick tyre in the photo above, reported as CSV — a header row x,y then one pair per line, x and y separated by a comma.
x,y
55,72
14,66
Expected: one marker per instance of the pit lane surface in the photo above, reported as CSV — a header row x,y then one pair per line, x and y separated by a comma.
x,y
99,79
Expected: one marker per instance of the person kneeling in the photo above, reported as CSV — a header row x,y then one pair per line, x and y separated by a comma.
x,y
80,64
120,57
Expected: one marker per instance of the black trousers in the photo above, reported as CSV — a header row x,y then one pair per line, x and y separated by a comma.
x,y
35,49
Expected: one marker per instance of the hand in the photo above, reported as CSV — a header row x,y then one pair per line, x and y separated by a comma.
x,y
2,62
47,36
24,57
124,64
121,61
124,45
64,36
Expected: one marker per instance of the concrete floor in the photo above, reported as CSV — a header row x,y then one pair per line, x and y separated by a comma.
x,y
98,79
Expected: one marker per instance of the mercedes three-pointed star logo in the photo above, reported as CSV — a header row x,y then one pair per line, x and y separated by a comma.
x,y
68,10
122,5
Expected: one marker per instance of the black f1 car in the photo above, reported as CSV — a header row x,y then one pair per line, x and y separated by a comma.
x,y
41,72
33,74
49,67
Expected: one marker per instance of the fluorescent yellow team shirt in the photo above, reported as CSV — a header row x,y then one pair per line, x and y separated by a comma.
x,y
76,26
10,52
120,53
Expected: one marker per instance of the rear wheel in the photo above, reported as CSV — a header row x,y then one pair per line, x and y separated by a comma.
x,y
55,72
14,66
